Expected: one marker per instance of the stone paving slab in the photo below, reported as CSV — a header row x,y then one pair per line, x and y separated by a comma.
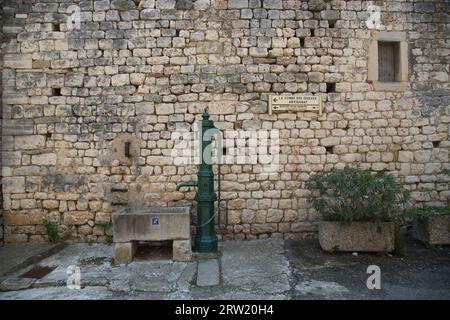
x,y
208,273
80,254
13,255
139,279
259,265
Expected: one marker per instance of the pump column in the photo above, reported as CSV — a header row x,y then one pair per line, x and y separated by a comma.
x,y
206,239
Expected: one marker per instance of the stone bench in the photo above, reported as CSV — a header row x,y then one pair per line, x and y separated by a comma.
x,y
131,225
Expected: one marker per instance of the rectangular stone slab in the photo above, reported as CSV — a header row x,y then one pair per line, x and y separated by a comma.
x,y
169,223
433,230
358,236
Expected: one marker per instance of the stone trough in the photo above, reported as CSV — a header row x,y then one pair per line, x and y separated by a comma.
x,y
131,225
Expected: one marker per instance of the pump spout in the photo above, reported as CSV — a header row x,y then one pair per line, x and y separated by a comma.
x,y
186,184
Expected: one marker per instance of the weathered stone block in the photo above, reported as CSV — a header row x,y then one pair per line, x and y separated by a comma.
x,y
433,230
154,223
125,4
17,219
11,158
358,236
182,250
150,14
17,127
237,4
29,142
45,159
273,4
120,80
263,228
124,252
405,156
17,61
209,47
13,184
77,217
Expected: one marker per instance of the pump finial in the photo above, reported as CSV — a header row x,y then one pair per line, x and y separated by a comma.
x,y
205,114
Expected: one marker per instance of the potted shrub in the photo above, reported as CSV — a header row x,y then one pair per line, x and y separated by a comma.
x,y
431,225
360,210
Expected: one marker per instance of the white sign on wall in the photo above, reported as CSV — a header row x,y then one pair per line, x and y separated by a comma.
x,y
279,103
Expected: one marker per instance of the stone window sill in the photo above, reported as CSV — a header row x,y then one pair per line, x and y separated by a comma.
x,y
390,86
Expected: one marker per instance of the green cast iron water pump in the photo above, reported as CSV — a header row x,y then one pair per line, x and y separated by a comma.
x,y
206,238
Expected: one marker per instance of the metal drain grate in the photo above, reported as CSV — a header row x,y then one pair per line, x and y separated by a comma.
x,y
38,272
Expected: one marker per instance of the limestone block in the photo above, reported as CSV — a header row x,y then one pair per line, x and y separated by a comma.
x,y
120,80
405,156
29,142
272,4
182,250
150,14
433,230
45,159
124,252
315,77
263,228
237,4
13,184
17,61
274,215
164,108
17,219
77,217
329,141
152,224
50,204
145,108
11,158
422,156
358,236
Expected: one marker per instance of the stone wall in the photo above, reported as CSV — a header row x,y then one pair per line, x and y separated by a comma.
x,y
138,69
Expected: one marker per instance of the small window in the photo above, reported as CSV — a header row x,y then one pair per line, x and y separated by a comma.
x,y
388,67
388,61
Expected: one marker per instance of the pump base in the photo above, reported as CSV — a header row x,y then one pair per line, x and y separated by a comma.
x,y
205,244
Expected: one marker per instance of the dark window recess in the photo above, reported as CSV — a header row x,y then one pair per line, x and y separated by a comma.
x,y
48,135
224,151
329,150
331,23
127,149
56,27
436,144
313,32
302,42
388,61
56,92
331,87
